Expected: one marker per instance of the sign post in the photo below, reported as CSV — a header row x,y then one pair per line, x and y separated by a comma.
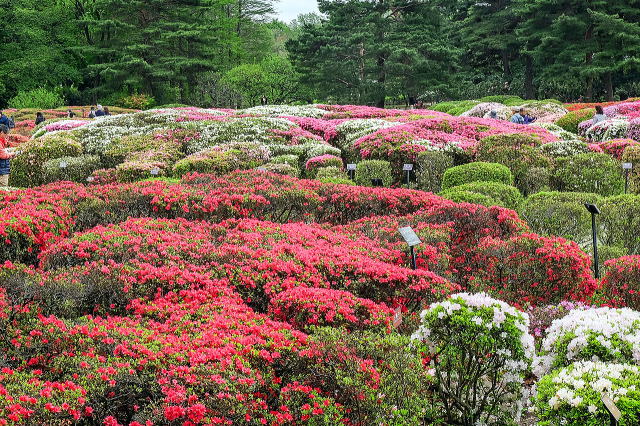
x,y
627,167
351,169
155,171
408,168
614,412
412,240
377,182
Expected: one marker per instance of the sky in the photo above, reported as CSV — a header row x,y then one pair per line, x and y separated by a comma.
x,y
290,9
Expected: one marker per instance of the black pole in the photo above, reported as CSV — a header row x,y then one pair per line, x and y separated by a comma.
x,y
408,178
626,181
414,266
595,245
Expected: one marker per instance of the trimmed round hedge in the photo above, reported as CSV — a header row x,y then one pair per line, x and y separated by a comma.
x,y
461,196
506,195
594,172
476,172
431,167
373,169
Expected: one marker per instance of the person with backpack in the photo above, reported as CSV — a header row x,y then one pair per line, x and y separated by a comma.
x,y
92,113
40,118
100,111
5,157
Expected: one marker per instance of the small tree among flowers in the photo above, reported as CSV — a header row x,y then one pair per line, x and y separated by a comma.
x,y
480,350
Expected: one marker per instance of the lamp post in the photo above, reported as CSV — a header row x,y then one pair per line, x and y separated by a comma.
x,y
627,169
593,209
412,240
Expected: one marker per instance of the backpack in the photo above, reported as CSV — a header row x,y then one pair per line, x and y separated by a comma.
x,y
12,123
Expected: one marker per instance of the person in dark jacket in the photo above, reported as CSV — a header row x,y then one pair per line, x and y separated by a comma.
x,y
92,112
106,111
100,111
39,118
5,157
70,114
4,120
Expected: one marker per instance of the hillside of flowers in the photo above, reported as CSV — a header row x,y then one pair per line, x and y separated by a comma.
x,y
186,266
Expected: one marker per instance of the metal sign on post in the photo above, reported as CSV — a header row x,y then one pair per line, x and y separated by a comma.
x,y
90,179
614,411
351,169
627,167
261,169
412,240
397,317
155,171
408,168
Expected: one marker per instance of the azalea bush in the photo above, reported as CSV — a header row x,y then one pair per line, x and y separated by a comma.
x,y
602,334
594,173
366,171
573,395
431,166
621,282
479,350
506,195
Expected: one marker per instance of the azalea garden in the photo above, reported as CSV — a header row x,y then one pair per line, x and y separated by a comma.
x,y
187,266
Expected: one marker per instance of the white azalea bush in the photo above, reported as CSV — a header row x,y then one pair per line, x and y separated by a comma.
x,y
351,130
603,334
558,131
565,148
605,130
480,351
286,110
573,395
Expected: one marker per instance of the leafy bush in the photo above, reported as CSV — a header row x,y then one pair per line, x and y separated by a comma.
x,y
508,196
136,101
27,168
282,169
571,120
373,169
337,181
292,160
535,180
621,282
313,164
476,172
77,168
632,155
431,166
212,161
619,215
457,335
460,196
607,253
560,213
532,270
603,334
331,173
40,98
573,395
616,147
595,173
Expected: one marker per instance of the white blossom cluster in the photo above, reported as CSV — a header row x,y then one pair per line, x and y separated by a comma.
x,y
351,130
565,148
581,385
614,333
558,131
606,130
286,110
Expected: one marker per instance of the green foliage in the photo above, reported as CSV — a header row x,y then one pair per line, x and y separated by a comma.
x,y
606,253
373,169
27,168
632,155
461,196
535,180
332,172
508,100
337,181
560,214
593,172
282,169
431,166
506,195
565,148
292,160
77,169
454,107
620,215
476,172
570,121
40,98
214,162
136,101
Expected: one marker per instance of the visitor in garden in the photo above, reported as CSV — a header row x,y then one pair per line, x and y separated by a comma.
x,y
100,111
92,113
600,115
5,157
4,120
106,111
518,117
493,114
40,118
70,114
528,119
264,101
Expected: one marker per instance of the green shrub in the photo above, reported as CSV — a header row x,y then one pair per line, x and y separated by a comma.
x,y
560,214
431,166
570,121
454,107
508,100
535,180
508,196
373,169
337,181
594,172
27,168
515,141
331,173
212,162
282,169
620,215
133,171
632,155
136,101
460,196
77,169
40,98
606,253
476,172
457,335
292,160
318,149
313,164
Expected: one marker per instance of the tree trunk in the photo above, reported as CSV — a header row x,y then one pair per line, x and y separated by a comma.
x,y
528,78
588,60
608,82
506,64
382,79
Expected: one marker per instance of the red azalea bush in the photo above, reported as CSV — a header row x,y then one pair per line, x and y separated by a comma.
x,y
306,307
616,147
532,270
315,163
621,282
